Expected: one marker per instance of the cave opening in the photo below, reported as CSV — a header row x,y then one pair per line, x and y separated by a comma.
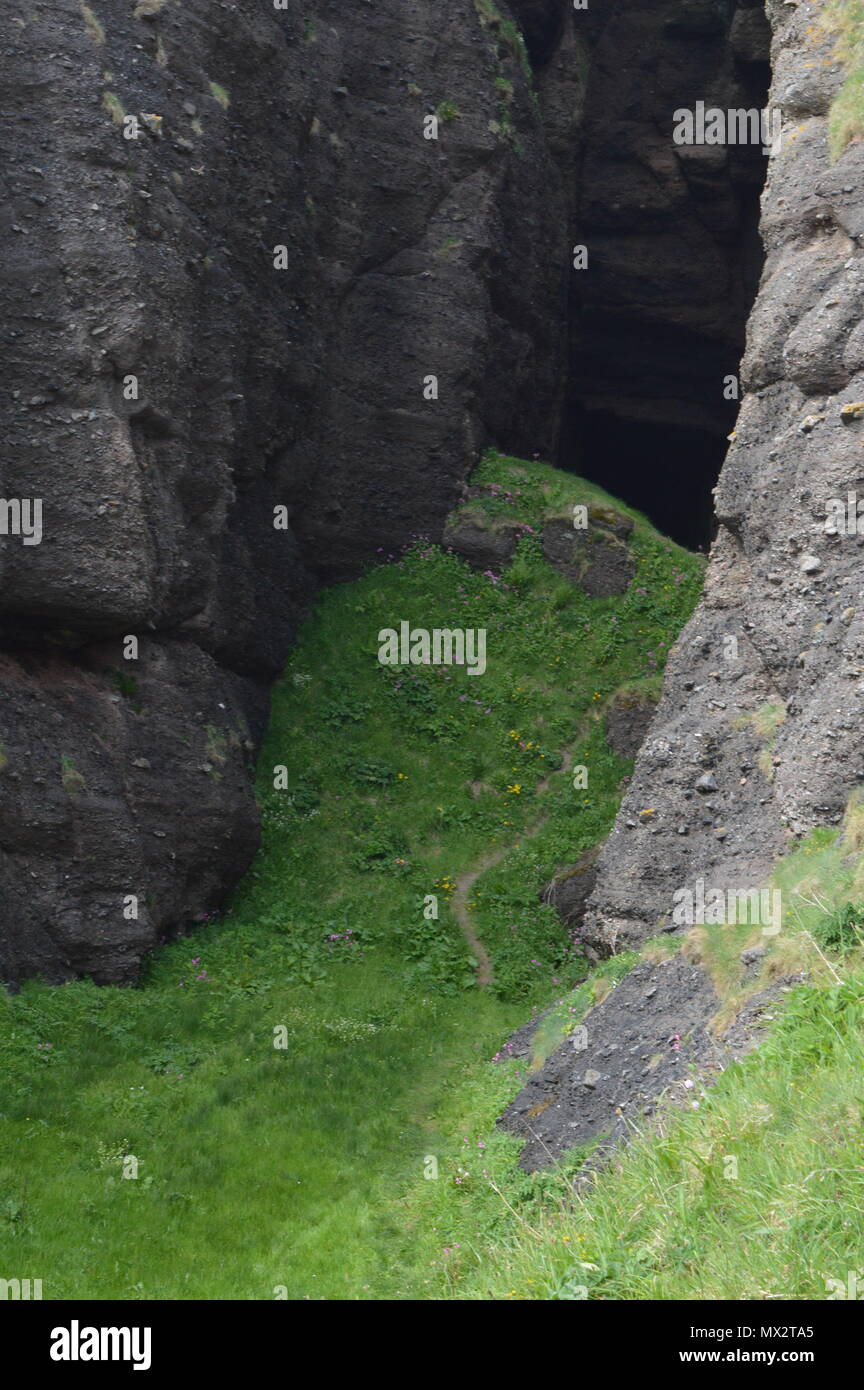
x,y
659,312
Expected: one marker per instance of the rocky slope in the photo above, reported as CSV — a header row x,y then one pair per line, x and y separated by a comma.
x,y
759,735
763,692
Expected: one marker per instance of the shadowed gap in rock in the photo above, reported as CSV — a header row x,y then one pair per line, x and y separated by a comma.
x,y
659,315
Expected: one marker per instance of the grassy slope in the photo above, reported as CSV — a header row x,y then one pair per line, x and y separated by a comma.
x,y
752,1190
262,1167
753,1194
311,1168
845,19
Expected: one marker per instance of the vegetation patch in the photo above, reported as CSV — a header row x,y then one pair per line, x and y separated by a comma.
x,y
114,107
845,19
247,1070
220,94
92,23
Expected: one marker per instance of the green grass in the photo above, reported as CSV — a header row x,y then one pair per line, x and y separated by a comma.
x,y
361,1159
112,104
752,1192
845,19
508,36
220,94
297,1168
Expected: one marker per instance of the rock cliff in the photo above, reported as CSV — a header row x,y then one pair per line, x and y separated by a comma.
x,y
759,734
274,280
229,304
758,737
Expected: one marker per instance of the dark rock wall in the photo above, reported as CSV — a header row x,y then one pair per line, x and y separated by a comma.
x,y
303,388
257,388
674,255
759,736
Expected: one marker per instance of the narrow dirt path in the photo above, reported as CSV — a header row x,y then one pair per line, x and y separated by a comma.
x,y
465,882
459,903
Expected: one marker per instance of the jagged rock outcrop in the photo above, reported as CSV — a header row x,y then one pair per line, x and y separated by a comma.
x,y
569,890
764,692
628,720
166,386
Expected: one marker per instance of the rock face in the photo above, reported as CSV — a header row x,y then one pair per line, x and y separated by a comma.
x,y
168,384
673,254
763,694
280,302
570,889
126,803
759,734
628,720
593,558
644,1040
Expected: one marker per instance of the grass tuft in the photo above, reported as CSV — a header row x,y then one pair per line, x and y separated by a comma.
x,y
92,23
845,20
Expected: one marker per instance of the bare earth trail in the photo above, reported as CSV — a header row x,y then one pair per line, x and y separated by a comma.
x,y
465,882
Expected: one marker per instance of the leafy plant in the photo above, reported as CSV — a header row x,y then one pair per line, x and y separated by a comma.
x,y
843,930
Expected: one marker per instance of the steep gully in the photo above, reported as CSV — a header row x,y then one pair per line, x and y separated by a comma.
x,y
674,257
616,371
658,314
301,390
658,321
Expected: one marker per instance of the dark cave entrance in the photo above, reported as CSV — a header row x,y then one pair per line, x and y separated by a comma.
x,y
631,457
674,258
